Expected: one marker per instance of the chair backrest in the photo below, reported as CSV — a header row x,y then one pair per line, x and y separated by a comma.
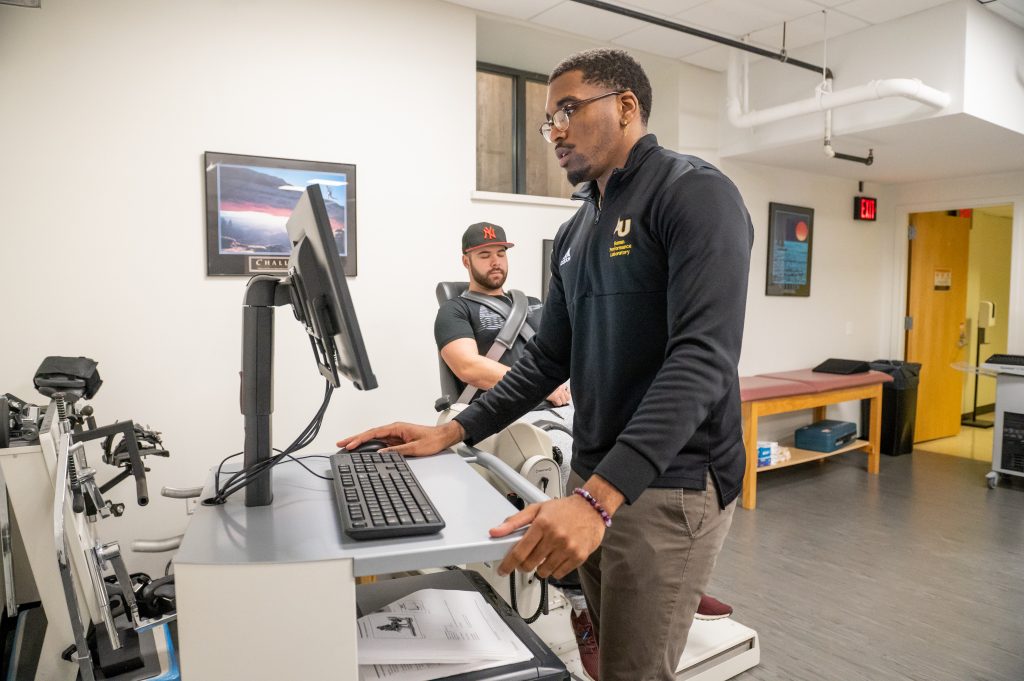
x,y
446,290
451,386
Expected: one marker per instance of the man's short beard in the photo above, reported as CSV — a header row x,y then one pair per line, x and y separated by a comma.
x,y
577,176
482,279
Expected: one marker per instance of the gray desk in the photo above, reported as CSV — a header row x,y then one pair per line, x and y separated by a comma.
x,y
268,592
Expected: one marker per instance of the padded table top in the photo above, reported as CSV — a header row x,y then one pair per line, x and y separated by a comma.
x,y
754,388
817,382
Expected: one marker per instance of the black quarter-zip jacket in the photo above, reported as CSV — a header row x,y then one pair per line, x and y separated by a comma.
x,y
645,313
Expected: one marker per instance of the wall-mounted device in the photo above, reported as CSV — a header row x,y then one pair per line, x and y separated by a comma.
x,y
986,314
865,208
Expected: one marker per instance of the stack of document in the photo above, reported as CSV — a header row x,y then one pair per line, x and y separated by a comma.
x,y
434,633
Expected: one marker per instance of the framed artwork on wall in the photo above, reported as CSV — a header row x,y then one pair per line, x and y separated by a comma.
x,y
249,200
790,237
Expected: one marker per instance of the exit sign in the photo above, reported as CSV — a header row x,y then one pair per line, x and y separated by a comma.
x,y
864,207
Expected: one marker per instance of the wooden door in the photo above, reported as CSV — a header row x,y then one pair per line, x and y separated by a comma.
x,y
936,303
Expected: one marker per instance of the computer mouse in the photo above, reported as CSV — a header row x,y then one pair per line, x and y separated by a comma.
x,y
370,446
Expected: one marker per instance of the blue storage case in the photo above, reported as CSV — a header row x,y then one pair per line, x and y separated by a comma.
x,y
826,436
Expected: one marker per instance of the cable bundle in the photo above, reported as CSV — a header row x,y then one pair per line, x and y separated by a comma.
x,y
243,478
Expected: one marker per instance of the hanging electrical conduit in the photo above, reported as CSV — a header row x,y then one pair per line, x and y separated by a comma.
x,y
824,98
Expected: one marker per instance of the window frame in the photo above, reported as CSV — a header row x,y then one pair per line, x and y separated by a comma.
x,y
519,123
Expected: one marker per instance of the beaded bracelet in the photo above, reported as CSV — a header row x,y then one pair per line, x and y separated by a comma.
x,y
596,504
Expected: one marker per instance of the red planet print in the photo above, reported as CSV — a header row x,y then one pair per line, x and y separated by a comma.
x,y
801,231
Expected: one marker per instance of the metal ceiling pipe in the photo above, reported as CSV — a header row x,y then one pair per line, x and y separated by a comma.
x,y
909,88
832,153
781,56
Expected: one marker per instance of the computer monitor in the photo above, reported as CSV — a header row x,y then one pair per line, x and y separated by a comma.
x,y
318,293
322,301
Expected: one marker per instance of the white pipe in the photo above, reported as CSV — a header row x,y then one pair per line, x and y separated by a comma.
x,y
746,80
829,151
910,88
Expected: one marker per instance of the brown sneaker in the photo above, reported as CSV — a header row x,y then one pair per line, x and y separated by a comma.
x,y
712,609
586,642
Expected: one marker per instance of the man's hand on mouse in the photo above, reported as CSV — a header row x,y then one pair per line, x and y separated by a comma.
x,y
409,439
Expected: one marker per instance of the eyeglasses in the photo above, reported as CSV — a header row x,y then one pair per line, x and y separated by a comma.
x,y
560,120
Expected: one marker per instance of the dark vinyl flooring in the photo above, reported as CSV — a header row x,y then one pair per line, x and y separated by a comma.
x,y
917,573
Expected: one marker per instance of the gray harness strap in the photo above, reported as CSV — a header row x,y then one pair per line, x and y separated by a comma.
x,y
515,325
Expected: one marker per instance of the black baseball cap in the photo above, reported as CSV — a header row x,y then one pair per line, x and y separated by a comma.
x,y
484,234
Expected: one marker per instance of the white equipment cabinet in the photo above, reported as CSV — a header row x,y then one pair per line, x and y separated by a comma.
x,y
1008,439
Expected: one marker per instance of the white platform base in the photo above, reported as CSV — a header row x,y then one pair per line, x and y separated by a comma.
x,y
715,651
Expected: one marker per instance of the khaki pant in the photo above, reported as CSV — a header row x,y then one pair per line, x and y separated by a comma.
x,y
644,582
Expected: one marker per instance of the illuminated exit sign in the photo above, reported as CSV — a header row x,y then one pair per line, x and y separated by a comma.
x,y
864,207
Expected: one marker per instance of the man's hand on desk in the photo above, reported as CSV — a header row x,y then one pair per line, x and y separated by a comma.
x,y
563,532
410,439
560,397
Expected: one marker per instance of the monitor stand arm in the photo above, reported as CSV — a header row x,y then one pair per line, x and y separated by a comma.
x,y
262,295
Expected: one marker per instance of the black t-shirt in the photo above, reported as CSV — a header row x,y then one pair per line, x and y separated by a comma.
x,y
463,318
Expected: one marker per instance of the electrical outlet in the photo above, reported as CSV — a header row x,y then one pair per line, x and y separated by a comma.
x,y
190,505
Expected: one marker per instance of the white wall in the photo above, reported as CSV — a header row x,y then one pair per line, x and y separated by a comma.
x,y
109,108
845,315
988,278
994,69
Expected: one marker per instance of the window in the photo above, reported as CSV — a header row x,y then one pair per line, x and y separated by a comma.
x,y
511,155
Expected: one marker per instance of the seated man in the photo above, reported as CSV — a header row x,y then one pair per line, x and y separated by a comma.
x,y
465,330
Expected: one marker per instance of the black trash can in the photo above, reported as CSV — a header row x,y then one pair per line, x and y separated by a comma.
x,y
899,406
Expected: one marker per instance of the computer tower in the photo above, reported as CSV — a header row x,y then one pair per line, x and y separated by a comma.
x,y
1008,440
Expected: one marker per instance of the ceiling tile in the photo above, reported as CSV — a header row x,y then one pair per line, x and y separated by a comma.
x,y
588,21
520,9
663,41
806,30
880,11
731,17
664,8
715,58
789,9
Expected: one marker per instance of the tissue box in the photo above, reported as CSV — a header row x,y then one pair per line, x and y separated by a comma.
x,y
766,453
826,436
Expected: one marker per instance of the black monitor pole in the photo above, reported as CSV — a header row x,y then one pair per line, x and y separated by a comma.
x,y
262,295
973,422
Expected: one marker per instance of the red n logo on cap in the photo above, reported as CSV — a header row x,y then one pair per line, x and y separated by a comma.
x,y
489,233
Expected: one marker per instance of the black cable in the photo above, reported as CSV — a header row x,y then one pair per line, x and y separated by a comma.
x,y
243,478
542,607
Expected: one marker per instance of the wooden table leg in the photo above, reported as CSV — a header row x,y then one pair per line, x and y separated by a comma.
x,y
819,414
875,431
750,444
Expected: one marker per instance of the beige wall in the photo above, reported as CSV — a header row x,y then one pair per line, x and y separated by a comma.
x,y
988,278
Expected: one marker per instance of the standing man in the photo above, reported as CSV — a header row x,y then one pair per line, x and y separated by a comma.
x,y
645,312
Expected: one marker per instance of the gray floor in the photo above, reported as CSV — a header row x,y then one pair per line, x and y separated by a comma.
x,y
917,573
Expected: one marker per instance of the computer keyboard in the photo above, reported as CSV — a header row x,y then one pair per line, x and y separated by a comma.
x,y
1010,360
378,496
